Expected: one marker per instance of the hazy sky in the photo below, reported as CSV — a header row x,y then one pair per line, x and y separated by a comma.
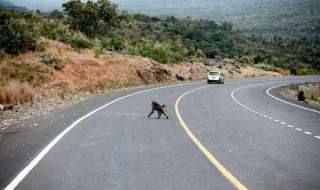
x,y
43,5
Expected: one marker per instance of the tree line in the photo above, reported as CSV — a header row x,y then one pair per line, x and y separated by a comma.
x,y
100,25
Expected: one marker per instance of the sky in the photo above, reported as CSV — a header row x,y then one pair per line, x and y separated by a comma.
x,y
43,5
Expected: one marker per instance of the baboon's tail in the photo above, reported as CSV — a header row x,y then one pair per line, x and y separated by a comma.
x,y
164,106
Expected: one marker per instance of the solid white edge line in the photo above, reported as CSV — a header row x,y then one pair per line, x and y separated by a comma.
x,y
15,182
298,129
288,102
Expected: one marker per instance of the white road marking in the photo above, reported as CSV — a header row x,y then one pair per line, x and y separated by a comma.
x,y
289,102
283,123
15,182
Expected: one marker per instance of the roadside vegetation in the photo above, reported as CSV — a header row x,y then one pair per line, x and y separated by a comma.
x,y
294,19
101,26
310,93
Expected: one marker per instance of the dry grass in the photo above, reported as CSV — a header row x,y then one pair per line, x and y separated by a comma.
x,y
16,93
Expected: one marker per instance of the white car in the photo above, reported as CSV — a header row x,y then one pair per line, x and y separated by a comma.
x,y
215,76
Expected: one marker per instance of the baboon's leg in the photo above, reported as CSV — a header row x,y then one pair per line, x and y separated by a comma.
x,y
166,115
160,112
151,113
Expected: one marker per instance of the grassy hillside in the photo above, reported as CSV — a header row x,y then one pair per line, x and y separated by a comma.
x,y
31,55
297,19
164,39
189,38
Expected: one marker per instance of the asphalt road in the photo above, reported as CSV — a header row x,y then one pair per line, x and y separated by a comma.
x,y
109,143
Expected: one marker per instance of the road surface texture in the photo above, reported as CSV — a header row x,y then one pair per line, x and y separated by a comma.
x,y
238,135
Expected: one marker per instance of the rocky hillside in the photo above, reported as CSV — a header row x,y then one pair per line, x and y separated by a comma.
x,y
84,73
83,70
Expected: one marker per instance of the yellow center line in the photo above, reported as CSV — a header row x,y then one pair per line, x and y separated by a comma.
x,y
212,159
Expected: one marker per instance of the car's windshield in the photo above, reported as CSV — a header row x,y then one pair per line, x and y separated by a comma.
x,y
214,73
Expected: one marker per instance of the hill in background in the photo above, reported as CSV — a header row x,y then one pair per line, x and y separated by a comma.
x,y
289,18
298,19
8,5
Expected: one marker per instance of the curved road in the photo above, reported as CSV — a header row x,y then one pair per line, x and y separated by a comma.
x,y
233,136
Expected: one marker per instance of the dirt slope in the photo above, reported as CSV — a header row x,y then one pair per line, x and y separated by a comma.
x,y
84,71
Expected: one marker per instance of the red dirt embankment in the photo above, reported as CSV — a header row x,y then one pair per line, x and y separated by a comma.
x,y
86,71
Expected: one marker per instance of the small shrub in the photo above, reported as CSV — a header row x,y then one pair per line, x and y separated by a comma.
x,y
80,41
117,43
220,66
52,61
49,30
266,67
64,34
41,46
97,52
158,54
314,96
296,71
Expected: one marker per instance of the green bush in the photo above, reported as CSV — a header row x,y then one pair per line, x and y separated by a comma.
x,y
158,54
52,61
49,30
80,41
64,34
41,46
296,71
117,43
19,31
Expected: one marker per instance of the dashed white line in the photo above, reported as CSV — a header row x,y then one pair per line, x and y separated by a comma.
x,y
276,120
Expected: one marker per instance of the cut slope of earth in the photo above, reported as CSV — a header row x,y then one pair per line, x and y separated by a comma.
x,y
85,72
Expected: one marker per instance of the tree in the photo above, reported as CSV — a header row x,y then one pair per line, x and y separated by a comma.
x,y
19,31
94,18
226,26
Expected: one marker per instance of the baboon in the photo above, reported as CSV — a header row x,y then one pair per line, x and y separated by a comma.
x,y
156,106
301,96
